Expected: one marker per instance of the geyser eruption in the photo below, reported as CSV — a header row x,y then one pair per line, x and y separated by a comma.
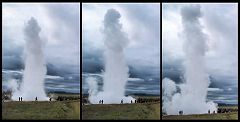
x,y
116,70
35,67
193,93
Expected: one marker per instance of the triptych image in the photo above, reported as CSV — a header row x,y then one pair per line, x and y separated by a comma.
x,y
119,61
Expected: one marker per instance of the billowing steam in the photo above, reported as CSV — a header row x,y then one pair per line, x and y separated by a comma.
x,y
193,93
93,86
14,86
35,67
116,70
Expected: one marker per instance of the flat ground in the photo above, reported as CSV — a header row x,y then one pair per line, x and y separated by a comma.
x,y
218,116
41,110
122,111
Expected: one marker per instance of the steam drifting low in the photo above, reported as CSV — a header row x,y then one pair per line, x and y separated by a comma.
x,y
116,70
192,96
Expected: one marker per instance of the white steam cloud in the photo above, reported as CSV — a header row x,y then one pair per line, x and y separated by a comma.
x,y
35,67
193,93
93,86
116,70
14,86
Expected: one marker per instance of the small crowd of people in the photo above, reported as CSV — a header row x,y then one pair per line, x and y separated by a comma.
x,y
213,112
181,112
19,98
36,99
209,112
138,100
101,101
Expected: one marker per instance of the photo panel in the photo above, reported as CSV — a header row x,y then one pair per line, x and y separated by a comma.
x,y
41,61
121,61
200,61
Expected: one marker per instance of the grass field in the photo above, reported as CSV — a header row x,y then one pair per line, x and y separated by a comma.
x,y
218,116
122,111
41,110
70,109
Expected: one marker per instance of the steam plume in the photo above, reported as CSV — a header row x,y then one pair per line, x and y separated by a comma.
x,y
116,70
35,67
193,93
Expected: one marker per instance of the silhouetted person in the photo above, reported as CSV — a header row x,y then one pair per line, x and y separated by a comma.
x,y
50,99
122,101
36,99
18,98
102,101
208,111
21,98
135,101
131,101
180,112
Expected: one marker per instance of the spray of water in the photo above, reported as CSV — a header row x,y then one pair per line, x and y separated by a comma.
x,y
116,70
14,86
35,67
193,93
93,86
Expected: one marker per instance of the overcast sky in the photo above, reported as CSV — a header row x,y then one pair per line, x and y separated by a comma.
x,y
141,22
60,25
60,31
220,23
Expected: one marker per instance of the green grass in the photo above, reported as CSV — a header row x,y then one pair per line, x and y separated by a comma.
x,y
122,111
41,110
229,107
218,116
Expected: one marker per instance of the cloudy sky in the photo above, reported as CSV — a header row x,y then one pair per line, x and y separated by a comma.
x,y
220,23
60,31
142,24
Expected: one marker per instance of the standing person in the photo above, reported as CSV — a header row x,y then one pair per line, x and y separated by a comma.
x,y
36,99
21,98
18,98
102,101
131,101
